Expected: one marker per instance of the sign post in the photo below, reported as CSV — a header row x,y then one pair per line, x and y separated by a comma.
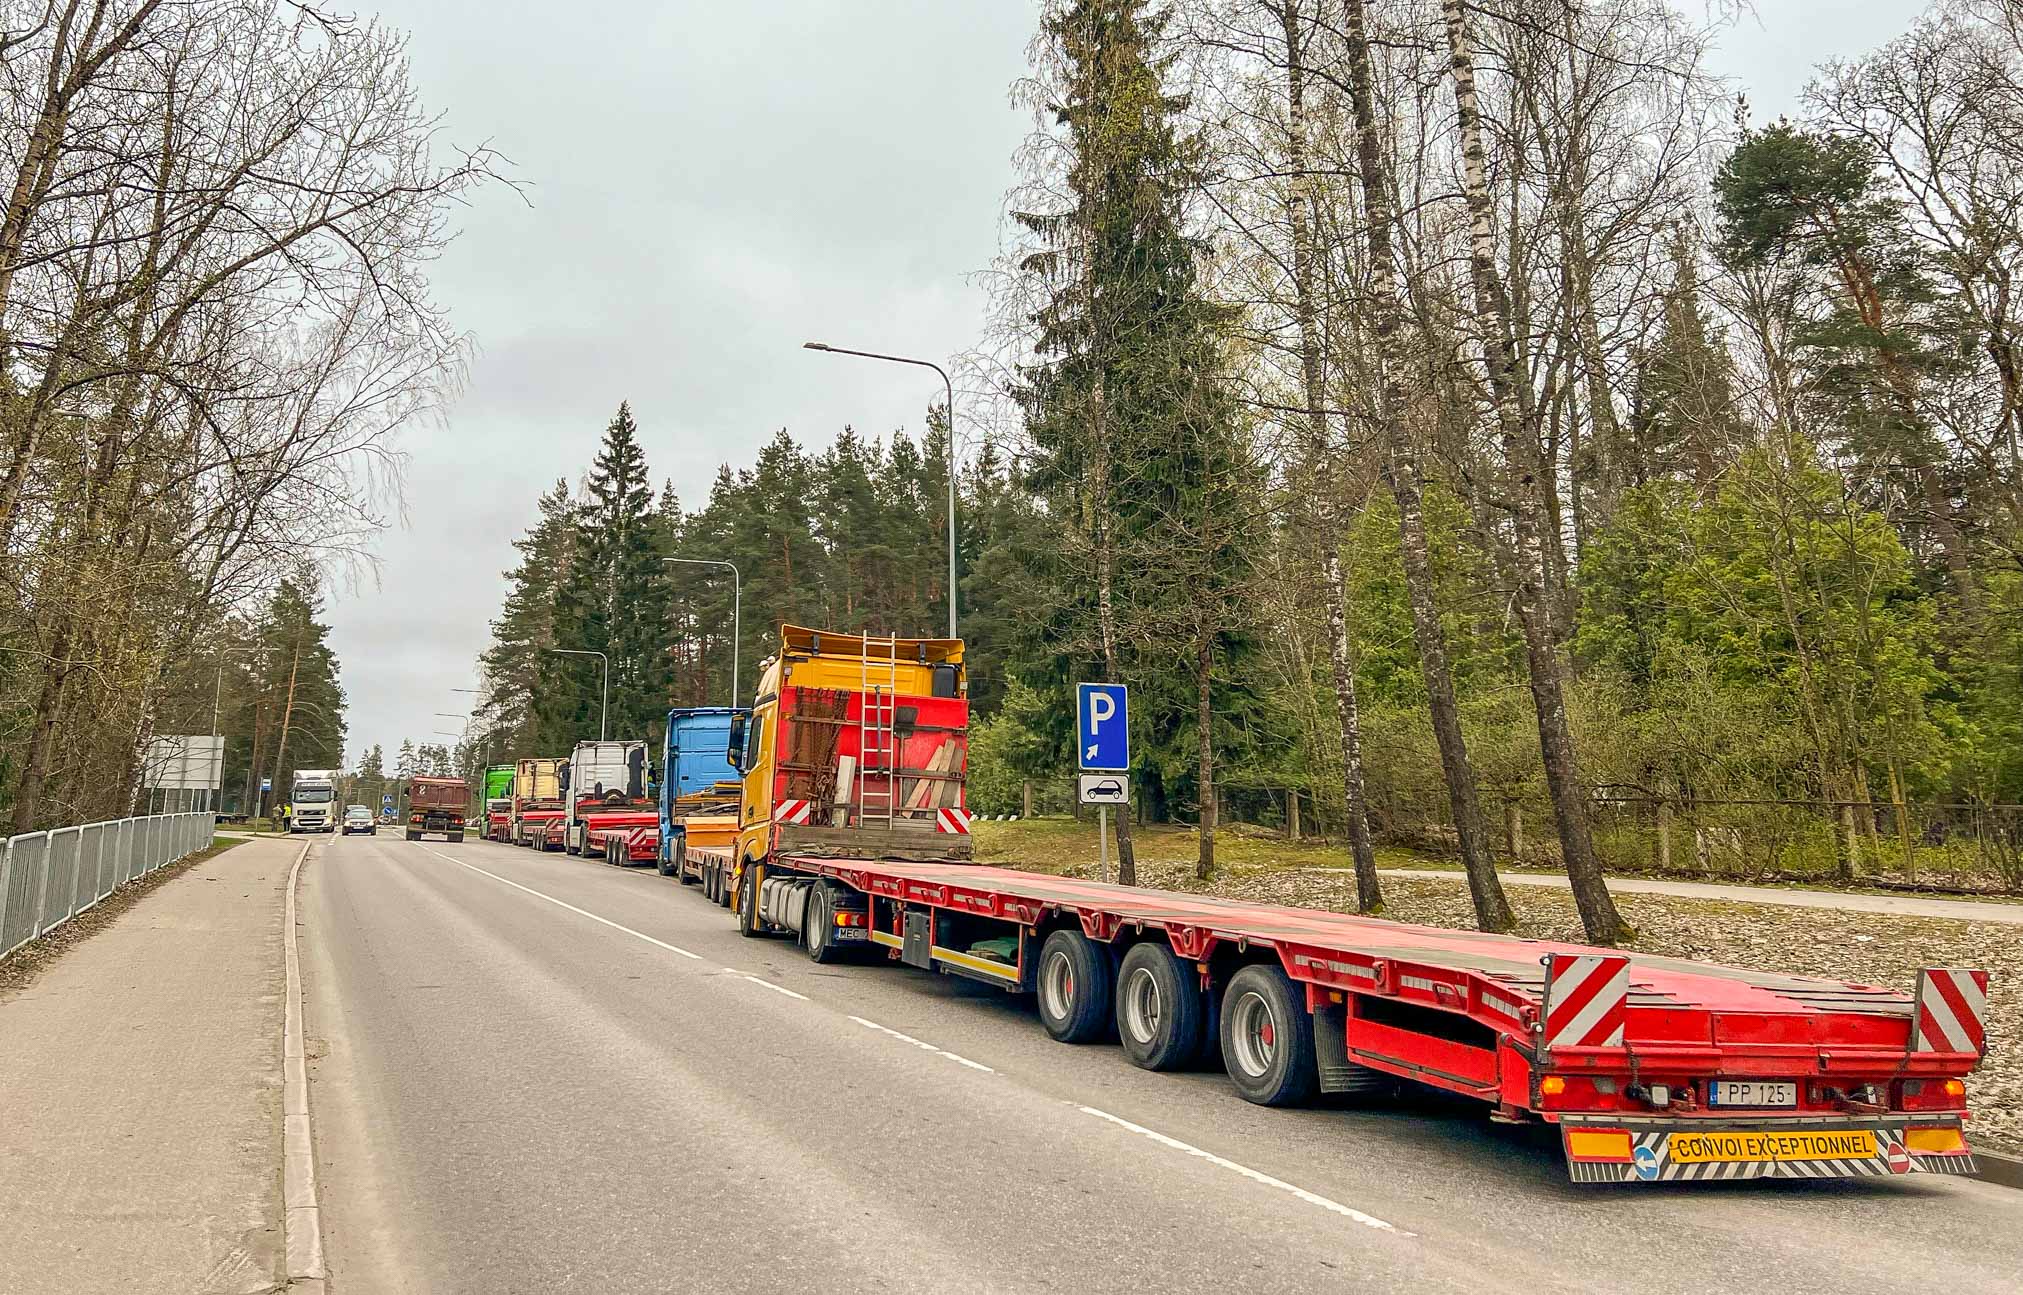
x,y
1103,747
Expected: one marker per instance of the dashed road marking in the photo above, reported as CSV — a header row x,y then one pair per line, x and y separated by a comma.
x,y
583,912
924,1046
778,989
1311,1198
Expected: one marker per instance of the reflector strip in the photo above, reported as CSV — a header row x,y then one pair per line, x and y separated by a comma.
x,y
1951,1005
1586,1000
953,820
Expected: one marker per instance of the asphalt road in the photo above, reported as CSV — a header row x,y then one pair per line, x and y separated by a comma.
x,y
535,1073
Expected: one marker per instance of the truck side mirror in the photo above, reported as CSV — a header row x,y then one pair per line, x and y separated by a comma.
x,y
736,754
562,775
635,771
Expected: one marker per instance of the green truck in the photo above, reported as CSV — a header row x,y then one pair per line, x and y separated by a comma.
x,y
498,802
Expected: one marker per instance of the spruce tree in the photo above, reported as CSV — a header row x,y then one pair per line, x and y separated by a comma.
x,y
1137,450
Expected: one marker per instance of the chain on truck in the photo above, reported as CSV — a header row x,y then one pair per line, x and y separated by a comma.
x,y
853,833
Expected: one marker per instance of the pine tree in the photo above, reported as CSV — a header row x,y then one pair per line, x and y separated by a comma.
x,y
404,761
517,662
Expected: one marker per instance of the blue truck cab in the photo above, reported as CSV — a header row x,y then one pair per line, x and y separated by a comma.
x,y
694,759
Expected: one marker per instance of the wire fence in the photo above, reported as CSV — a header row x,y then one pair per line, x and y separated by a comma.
x,y
47,878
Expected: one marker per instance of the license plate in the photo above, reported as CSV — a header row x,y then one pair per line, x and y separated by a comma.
x,y
1725,1146
845,934
1751,1092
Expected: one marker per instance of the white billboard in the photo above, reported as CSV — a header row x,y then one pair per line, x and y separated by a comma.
x,y
195,763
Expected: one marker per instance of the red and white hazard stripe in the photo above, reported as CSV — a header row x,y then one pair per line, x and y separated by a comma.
x,y
793,811
952,819
1952,1003
1587,997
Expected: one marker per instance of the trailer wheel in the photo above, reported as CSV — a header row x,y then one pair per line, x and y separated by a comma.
x,y
679,868
709,882
818,927
1268,1038
748,904
1077,979
414,836
723,885
456,838
1160,1012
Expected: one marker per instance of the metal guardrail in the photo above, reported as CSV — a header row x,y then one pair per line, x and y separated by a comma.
x,y
47,878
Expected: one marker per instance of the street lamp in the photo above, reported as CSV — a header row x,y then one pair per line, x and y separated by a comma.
x,y
925,364
604,710
737,614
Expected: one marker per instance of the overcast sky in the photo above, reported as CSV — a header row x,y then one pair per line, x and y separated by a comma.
x,y
710,185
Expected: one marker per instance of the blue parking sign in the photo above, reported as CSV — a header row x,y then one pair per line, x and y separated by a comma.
x,y
1102,726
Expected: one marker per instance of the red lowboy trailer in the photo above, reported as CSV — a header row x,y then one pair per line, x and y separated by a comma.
x,y
1652,1068
623,837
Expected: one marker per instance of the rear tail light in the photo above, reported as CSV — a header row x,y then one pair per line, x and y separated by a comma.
x,y
849,919
1932,1095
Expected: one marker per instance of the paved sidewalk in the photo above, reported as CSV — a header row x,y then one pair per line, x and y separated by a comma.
x,y
140,1081
1965,910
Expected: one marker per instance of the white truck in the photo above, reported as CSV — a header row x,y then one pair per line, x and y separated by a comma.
x,y
604,786
314,797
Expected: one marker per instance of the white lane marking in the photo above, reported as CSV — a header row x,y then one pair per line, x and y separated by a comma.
x,y
924,1046
1311,1198
778,989
637,935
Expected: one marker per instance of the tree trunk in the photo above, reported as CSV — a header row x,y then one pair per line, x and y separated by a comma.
x,y
1106,610
1603,924
1204,722
1292,831
42,736
287,716
1402,474
1026,798
1322,507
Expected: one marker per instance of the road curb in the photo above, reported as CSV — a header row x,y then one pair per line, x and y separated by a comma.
x,y
302,1218
1999,1168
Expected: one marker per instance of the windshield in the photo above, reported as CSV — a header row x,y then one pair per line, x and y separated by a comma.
x,y
358,811
312,795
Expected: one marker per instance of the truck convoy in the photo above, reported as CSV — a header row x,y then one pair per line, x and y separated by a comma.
x,y
851,833
313,797
496,802
537,801
436,805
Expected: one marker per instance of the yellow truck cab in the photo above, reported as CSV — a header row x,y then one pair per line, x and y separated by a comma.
x,y
856,747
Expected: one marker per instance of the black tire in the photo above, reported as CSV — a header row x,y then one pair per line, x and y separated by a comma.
x,y
748,904
414,836
680,853
1077,980
456,838
709,882
1268,1038
663,859
1160,1008
723,885
818,928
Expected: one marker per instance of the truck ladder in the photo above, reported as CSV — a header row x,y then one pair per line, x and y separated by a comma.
x,y
877,743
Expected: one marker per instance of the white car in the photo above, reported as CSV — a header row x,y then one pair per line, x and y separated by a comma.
x,y
357,818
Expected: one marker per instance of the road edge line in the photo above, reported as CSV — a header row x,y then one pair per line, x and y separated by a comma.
x,y
301,1215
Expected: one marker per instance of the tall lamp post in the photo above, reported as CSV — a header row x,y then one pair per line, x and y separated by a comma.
x,y
604,709
737,613
950,386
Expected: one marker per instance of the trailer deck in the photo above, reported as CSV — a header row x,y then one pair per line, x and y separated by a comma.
x,y
1653,1067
